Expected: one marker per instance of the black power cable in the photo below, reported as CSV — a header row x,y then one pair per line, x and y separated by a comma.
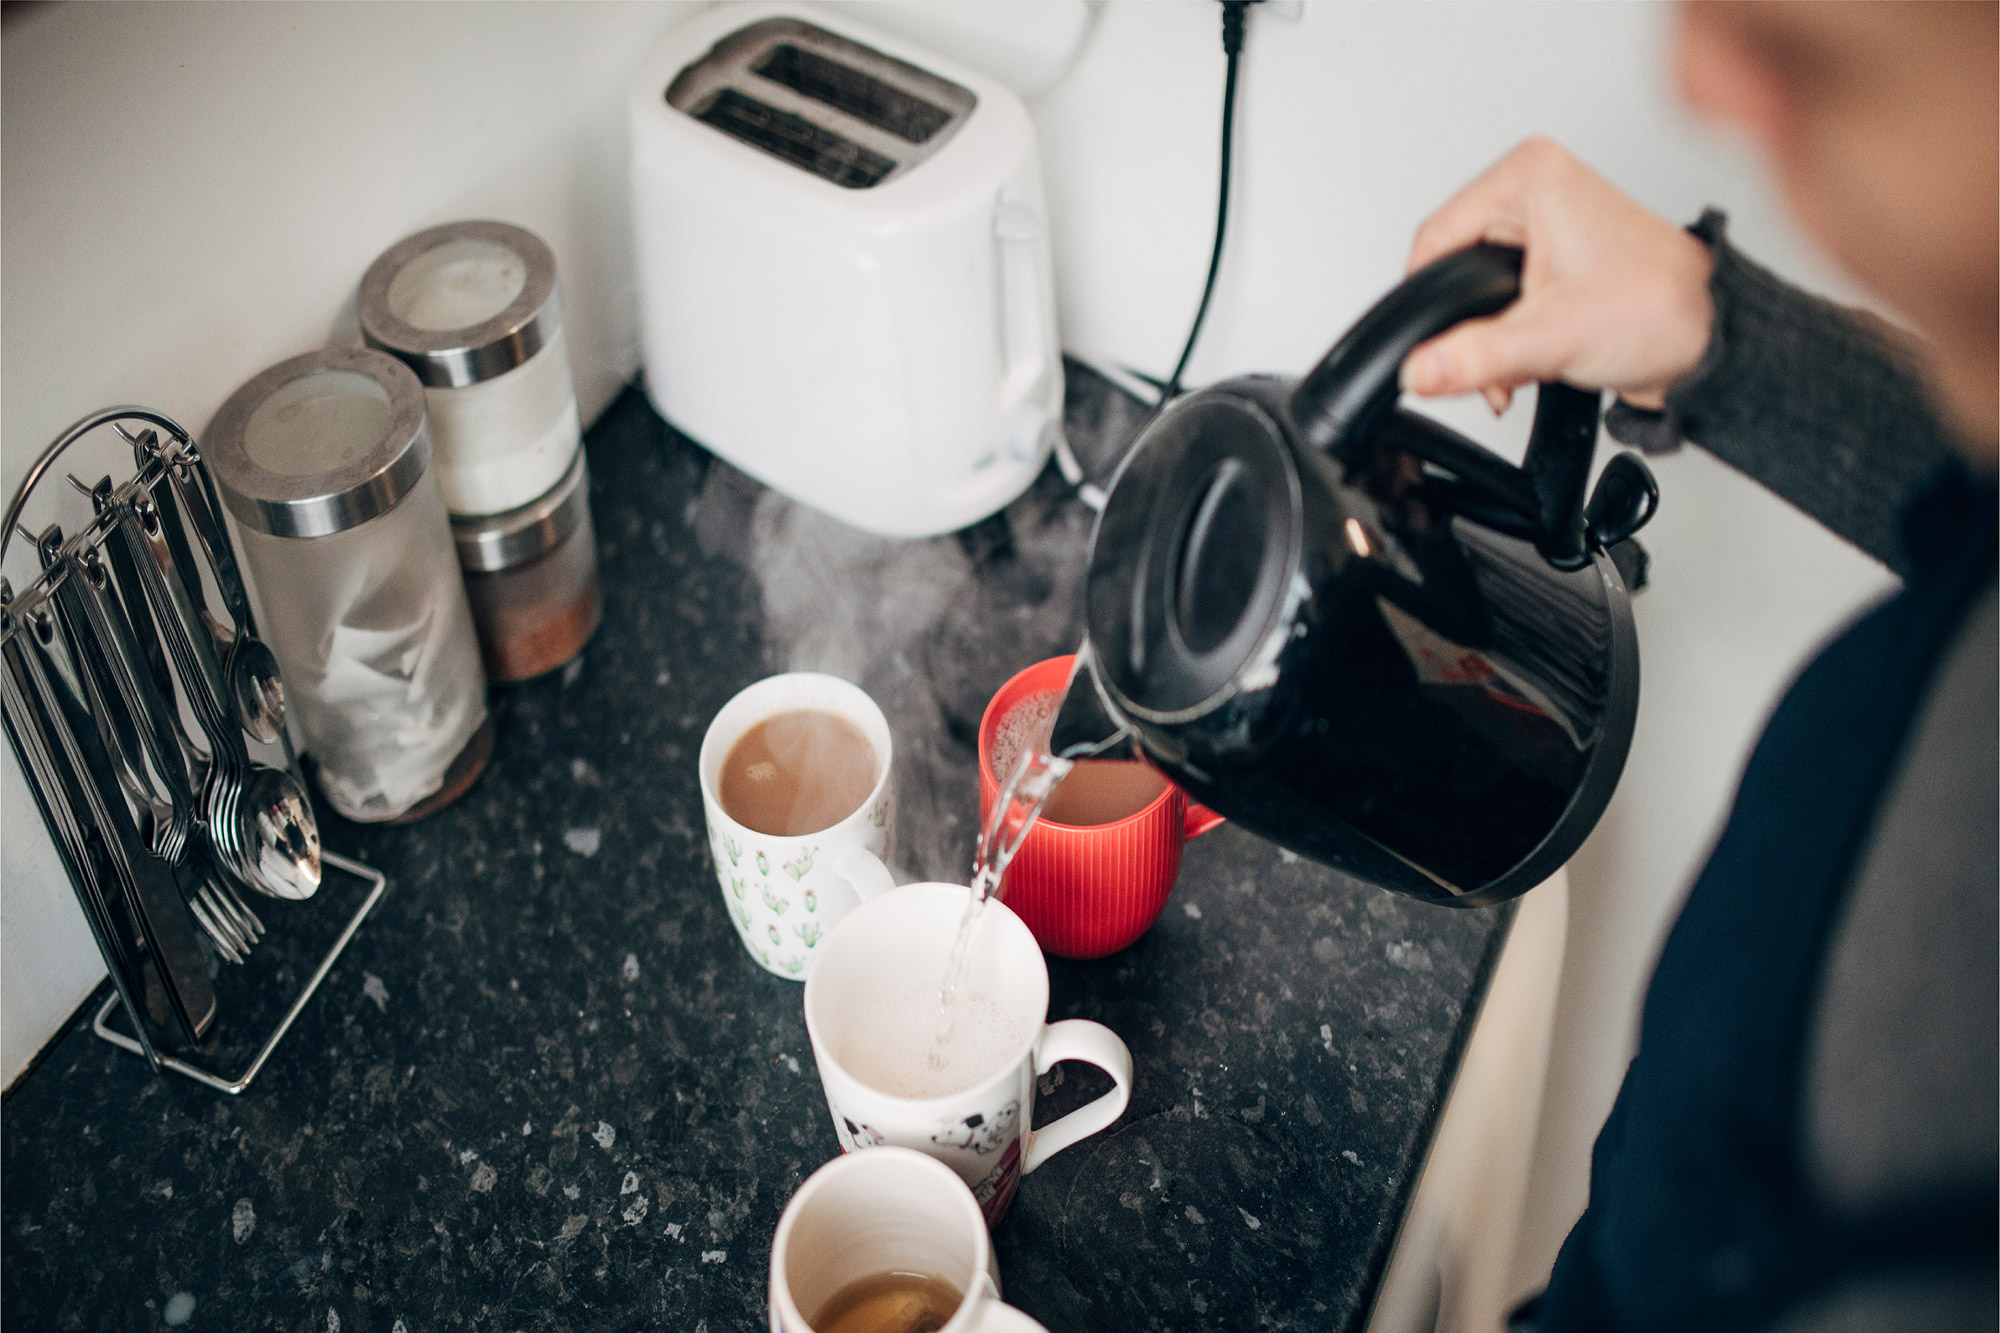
x,y
1233,14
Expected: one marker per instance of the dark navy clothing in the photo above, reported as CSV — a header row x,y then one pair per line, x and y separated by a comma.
x,y
1699,1215
1703,1213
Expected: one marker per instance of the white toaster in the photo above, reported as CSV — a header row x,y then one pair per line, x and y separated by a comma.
x,y
844,277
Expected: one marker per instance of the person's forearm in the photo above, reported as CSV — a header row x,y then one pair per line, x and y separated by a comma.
x,y
1816,402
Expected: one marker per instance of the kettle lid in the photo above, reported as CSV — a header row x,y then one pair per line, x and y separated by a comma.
x,y
1191,567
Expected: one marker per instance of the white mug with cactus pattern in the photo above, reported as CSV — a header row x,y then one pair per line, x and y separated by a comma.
x,y
785,895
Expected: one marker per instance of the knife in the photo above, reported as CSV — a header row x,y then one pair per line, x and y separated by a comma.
x,y
148,882
59,797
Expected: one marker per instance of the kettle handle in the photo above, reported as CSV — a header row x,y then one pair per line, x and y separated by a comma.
x,y
1342,401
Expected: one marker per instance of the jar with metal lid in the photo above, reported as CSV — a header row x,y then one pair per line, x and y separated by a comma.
x,y
531,574
324,463
474,310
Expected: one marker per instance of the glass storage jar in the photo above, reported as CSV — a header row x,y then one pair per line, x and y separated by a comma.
x,y
474,310
323,461
531,574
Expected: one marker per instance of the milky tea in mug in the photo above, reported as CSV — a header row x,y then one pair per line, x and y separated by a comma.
x,y
797,773
798,800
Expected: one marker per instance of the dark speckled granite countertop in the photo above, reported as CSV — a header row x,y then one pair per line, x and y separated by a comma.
x,y
546,1089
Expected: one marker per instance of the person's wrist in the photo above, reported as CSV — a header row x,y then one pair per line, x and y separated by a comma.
x,y
1684,325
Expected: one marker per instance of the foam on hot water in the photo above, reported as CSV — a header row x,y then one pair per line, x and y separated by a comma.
x,y
885,1048
1096,791
1028,723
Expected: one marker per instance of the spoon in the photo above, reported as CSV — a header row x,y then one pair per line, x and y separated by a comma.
x,y
179,839
264,825
259,818
259,689
182,504
254,676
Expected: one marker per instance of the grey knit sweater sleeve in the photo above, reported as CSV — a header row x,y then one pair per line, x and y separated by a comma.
x,y
1819,403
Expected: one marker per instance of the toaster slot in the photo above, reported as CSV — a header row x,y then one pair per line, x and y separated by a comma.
x,y
796,140
854,91
845,112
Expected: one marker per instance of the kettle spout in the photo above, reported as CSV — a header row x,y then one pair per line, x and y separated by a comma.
x,y
1085,726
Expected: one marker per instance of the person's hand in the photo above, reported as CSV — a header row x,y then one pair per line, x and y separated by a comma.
x,y
1612,296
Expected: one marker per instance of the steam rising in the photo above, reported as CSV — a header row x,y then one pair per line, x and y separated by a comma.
x,y
930,628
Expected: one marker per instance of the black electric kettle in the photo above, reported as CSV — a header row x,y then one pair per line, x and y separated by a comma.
x,y
1361,635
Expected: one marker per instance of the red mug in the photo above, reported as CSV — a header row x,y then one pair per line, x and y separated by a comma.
x,y
1088,890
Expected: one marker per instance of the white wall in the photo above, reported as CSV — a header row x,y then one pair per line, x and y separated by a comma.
x,y
190,192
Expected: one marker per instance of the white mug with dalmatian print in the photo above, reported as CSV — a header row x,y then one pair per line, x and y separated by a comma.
x,y
785,895
984,1133
893,1211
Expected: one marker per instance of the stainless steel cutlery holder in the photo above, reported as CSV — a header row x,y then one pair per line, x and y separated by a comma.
x,y
149,721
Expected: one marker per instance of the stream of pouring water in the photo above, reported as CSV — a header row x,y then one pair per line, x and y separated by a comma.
x,y
1016,807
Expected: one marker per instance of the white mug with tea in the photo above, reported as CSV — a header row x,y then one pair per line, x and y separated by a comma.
x,y
886,1242
872,1012
795,782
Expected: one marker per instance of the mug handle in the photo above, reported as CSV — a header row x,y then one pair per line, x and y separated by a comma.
x,y
864,873
1094,1043
1200,819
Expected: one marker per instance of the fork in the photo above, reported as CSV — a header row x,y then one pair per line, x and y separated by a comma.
x,y
231,926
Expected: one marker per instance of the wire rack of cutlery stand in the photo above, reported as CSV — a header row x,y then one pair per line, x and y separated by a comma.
x,y
149,721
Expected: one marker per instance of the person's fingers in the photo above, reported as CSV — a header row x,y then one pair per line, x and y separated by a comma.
x,y
1493,207
1518,346
1486,210
1500,228
1498,399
